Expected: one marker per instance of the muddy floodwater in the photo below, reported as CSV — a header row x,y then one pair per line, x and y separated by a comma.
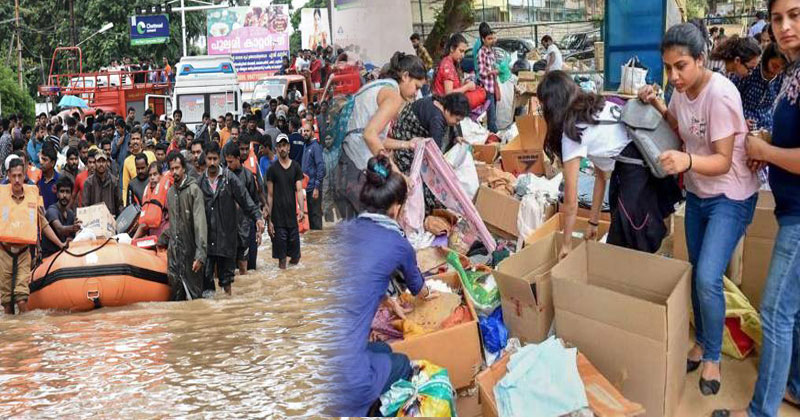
x,y
257,354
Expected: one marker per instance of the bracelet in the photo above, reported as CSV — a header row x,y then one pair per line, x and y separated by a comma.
x,y
595,224
690,163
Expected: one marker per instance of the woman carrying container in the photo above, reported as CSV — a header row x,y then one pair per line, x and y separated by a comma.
x,y
779,364
583,125
375,106
706,112
448,77
362,370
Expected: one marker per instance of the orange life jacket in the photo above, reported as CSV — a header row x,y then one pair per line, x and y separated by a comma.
x,y
34,173
19,220
251,162
304,227
154,202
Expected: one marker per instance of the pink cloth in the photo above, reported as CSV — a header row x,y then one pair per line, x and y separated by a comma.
x,y
430,167
714,115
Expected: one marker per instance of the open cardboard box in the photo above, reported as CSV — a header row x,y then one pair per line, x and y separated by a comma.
x,y
758,244
587,213
556,224
525,152
457,349
499,211
525,288
486,153
604,399
627,312
98,220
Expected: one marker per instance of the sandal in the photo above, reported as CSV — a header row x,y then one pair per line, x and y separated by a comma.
x,y
710,386
692,365
721,413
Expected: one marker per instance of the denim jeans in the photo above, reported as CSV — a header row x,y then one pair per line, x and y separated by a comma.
x,y
491,112
401,366
713,229
780,317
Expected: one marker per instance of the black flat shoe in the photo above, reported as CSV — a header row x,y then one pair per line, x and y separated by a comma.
x,y
692,365
721,413
709,387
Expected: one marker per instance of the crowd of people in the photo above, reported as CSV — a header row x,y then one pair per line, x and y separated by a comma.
x,y
259,168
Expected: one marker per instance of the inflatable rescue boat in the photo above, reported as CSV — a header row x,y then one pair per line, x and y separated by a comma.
x,y
94,274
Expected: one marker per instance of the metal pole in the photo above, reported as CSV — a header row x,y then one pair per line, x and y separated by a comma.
x,y
484,10
72,32
183,28
19,45
421,19
529,18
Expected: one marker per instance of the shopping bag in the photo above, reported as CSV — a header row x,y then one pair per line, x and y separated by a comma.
x,y
634,74
460,158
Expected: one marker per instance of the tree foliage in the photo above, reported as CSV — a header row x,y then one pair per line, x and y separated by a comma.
x,y
454,16
13,98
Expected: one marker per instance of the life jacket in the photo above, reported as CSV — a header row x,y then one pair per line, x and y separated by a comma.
x,y
34,173
154,201
304,227
251,163
19,220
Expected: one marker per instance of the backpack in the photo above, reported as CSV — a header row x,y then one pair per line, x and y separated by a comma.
x,y
650,132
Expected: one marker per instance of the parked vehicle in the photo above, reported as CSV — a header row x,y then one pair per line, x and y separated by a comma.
x,y
344,80
580,46
206,83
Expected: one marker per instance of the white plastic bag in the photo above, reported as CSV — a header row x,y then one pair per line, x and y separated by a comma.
x,y
460,158
505,108
530,216
633,77
473,132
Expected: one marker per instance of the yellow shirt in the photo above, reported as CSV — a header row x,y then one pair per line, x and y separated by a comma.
x,y
129,172
224,135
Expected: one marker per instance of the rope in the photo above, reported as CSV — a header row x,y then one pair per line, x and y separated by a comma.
x,y
66,251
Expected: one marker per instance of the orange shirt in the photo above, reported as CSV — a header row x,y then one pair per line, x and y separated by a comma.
x,y
224,135
79,181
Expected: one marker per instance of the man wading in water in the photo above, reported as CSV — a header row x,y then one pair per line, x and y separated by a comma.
x,y
223,190
186,235
284,183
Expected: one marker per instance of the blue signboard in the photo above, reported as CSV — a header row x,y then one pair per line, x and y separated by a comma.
x,y
149,29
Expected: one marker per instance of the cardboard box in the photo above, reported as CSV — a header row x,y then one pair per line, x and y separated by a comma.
x,y
526,291
499,211
486,153
525,153
556,224
457,349
758,244
98,220
627,312
680,251
604,399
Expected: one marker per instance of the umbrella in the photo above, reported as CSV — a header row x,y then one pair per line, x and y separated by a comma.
x,y
72,101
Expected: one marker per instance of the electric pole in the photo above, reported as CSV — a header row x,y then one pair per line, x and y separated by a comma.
x,y
19,45
72,23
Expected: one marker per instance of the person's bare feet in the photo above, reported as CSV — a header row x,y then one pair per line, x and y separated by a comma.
x,y
711,371
790,399
695,354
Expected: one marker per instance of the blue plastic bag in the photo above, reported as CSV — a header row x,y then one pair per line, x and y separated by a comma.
x,y
493,331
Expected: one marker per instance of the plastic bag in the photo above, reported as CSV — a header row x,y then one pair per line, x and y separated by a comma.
x,y
460,158
479,286
634,74
504,70
428,394
505,107
493,331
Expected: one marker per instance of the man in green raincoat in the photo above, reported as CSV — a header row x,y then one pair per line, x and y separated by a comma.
x,y
187,234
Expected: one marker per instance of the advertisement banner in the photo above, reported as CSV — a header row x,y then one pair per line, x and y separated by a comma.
x,y
314,28
149,29
256,37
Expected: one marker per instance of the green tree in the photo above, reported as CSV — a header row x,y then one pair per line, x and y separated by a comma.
x,y
12,97
454,16
696,8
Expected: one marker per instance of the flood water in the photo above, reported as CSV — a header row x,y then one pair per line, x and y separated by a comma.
x,y
258,353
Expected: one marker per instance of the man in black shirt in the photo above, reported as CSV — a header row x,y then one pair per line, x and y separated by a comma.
x,y
61,218
284,186
249,182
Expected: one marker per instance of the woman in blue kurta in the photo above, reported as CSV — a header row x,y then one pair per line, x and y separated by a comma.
x,y
374,250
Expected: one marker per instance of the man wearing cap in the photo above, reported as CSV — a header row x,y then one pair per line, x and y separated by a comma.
x,y
102,187
284,195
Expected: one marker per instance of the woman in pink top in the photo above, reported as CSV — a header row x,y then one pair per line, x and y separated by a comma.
x,y
706,111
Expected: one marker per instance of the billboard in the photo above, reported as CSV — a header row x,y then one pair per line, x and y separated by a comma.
x,y
149,29
314,28
256,37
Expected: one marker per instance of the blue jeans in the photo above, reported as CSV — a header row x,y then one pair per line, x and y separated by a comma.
x,y
713,229
779,366
491,113
401,366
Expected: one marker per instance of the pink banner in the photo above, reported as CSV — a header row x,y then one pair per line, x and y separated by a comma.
x,y
249,39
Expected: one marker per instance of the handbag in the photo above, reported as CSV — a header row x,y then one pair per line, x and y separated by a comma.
x,y
476,97
634,75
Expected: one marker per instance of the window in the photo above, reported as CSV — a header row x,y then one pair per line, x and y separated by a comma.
x,y
192,106
221,103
